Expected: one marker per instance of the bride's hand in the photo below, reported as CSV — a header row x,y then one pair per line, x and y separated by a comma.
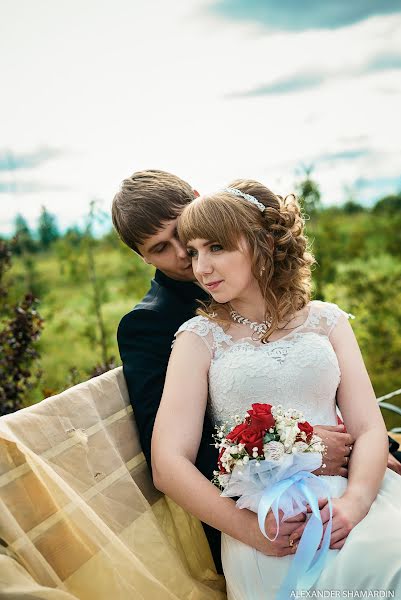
x,y
347,513
287,539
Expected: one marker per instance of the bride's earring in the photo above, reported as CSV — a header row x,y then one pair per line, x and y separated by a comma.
x,y
261,271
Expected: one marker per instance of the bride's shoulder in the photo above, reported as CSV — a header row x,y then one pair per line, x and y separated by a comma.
x,y
210,332
206,328
326,314
199,324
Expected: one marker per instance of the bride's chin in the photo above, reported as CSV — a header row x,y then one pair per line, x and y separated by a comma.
x,y
221,299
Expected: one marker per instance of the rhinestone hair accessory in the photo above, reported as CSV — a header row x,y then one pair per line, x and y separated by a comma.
x,y
246,197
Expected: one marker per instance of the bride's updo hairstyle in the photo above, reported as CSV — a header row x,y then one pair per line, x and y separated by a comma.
x,y
281,262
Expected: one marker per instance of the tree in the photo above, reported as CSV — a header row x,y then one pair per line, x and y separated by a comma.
x,y
24,241
389,204
47,229
308,192
68,249
97,283
350,207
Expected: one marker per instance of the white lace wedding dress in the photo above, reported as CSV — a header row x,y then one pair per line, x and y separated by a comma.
x,y
299,370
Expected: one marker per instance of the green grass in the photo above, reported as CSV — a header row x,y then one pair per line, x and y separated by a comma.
x,y
70,338
69,345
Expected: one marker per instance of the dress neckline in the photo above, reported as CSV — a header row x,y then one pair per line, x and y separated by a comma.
x,y
255,343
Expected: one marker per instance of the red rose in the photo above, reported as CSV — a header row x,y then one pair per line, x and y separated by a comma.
x,y
252,437
221,468
306,428
260,415
236,433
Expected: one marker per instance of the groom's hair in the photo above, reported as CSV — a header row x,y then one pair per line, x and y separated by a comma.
x,y
146,200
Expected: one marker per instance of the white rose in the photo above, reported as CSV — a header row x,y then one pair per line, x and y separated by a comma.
x,y
273,450
301,446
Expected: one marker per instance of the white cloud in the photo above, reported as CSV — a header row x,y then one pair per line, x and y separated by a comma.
x,y
125,85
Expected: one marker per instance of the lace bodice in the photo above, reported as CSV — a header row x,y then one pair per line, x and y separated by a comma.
x,y
299,370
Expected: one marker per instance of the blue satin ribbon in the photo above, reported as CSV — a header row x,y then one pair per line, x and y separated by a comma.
x,y
308,561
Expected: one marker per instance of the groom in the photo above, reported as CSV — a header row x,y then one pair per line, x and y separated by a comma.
x,y
145,213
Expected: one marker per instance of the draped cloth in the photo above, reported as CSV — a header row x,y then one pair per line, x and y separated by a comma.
x,y
79,515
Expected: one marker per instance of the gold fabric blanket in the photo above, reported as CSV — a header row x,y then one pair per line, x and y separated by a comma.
x,y
79,515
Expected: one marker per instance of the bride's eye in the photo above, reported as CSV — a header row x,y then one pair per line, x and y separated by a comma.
x,y
216,247
191,252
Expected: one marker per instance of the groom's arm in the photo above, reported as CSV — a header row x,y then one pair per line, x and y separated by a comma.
x,y
144,340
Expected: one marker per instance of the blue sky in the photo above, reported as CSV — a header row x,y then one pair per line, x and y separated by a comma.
x,y
209,89
293,15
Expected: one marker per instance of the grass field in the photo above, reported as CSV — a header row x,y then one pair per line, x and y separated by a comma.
x,y
69,345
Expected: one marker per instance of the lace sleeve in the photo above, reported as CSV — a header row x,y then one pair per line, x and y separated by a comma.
x,y
202,327
326,315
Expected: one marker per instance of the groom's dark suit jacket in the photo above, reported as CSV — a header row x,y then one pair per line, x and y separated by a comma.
x,y
144,338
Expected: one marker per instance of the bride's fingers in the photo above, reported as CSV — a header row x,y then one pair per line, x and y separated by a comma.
x,y
287,538
337,528
289,547
286,551
338,545
325,514
291,530
337,536
296,533
298,518
321,503
285,529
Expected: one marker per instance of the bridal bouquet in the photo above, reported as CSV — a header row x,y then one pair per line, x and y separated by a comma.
x,y
266,462
268,433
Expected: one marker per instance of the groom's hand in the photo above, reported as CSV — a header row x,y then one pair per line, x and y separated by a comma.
x,y
338,449
393,464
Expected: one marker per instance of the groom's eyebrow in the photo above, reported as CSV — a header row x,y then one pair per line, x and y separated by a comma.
x,y
161,242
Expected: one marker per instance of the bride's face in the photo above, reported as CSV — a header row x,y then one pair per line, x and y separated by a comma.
x,y
226,275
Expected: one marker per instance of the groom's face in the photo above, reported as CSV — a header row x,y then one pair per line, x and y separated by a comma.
x,y
164,251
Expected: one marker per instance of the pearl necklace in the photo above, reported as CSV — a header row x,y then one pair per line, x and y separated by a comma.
x,y
259,328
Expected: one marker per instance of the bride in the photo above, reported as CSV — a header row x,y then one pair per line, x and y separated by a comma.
x,y
263,340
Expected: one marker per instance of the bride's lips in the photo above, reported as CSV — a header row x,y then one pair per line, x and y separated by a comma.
x,y
213,285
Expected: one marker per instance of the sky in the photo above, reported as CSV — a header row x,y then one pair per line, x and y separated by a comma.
x,y
210,90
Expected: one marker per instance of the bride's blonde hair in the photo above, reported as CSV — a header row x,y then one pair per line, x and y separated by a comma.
x,y
280,259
